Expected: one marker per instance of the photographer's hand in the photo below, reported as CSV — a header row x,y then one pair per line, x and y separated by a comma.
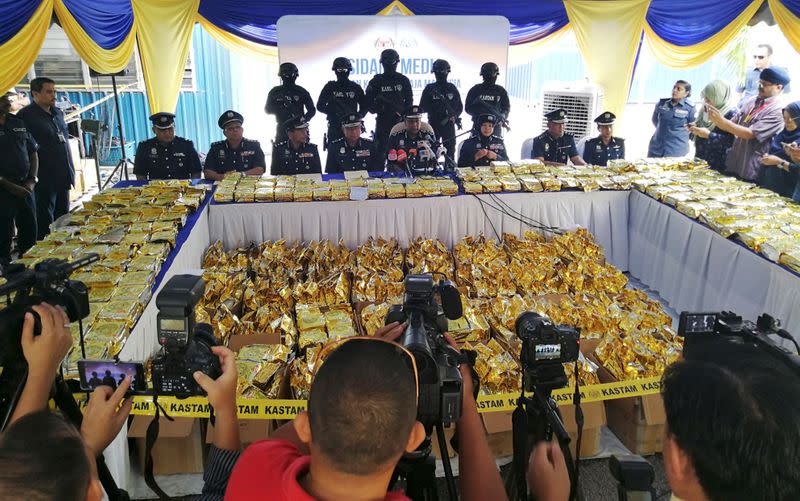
x,y
548,478
104,417
44,354
392,331
222,397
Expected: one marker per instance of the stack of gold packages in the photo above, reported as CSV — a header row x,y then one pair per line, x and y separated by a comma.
x,y
261,369
317,325
279,261
373,317
638,354
497,369
378,272
483,268
327,274
426,255
472,326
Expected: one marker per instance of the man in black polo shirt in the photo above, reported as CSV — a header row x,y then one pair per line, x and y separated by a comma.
x,y
166,156
45,122
17,180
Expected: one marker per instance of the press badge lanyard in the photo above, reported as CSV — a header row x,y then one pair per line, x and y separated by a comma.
x,y
753,112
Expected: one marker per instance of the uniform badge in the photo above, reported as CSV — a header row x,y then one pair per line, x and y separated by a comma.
x,y
351,94
222,154
546,146
362,153
296,98
398,87
342,150
153,152
449,95
598,148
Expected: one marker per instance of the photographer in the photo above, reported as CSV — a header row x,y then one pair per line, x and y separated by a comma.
x,y
732,431
361,418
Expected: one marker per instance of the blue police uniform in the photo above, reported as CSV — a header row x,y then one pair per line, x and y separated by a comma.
x,y
16,148
554,150
222,158
56,172
466,156
671,138
596,152
287,161
175,160
343,157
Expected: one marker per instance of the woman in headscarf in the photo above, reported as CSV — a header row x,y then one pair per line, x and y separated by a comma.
x,y
782,181
711,143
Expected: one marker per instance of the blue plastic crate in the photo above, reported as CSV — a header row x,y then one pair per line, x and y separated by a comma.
x,y
115,154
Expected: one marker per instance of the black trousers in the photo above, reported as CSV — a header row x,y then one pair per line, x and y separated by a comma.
x,y
51,204
19,212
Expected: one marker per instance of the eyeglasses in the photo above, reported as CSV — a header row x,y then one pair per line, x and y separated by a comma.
x,y
758,57
326,351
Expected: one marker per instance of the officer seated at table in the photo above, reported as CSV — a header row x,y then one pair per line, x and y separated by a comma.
x,y
235,153
555,146
295,155
599,150
166,156
484,147
411,145
353,152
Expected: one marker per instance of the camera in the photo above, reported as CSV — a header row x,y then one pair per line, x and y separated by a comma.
x,y
545,347
702,331
437,362
185,347
48,282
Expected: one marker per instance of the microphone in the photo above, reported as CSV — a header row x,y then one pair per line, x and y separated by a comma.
x,y
392,155
451,300
401,155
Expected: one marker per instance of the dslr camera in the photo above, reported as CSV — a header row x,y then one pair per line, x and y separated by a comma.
x,y
545,347
437,362
185,346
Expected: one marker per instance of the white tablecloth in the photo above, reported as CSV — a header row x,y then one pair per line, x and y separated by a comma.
x,y
696,269
449,219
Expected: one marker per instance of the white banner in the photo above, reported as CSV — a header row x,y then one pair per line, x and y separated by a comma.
x,y
466,42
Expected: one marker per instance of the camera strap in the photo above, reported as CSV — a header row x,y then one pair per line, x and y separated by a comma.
x,y
468,357
576,400
150,440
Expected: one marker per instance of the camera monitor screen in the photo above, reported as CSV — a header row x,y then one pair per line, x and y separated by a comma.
x,y
173,324
94,373
697,323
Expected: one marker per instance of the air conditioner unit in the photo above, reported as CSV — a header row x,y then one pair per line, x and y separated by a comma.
x,y
582,101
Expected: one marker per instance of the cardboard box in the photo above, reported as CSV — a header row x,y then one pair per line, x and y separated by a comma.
x,y
637,421
178,448
235,343
594,418
497,422
250,430
448,434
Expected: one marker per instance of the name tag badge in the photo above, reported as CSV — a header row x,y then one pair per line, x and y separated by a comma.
x,y
681,113
248,153
362,153
61,138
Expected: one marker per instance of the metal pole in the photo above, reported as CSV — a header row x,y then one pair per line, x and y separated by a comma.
x,y
119,126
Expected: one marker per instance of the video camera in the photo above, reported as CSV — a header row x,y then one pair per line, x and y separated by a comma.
x,y
700,331
185,347
545,348
440,382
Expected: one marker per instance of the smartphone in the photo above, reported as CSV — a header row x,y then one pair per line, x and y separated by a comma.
x,y
94,373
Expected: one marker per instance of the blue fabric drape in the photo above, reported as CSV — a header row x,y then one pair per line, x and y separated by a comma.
x,y
107,22
255,20
689,22
793,6
15,14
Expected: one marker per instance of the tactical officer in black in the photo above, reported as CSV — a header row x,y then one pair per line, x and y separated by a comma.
x,y
295,155
388,95
235,153
18,170
412,147
166,156
339,98
488,97
442,102
484,148
555,146
353,152
289,100
599,150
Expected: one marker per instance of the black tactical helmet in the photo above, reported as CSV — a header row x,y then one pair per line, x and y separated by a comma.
x,y
440,66
390,56
342,63
288,70
489,70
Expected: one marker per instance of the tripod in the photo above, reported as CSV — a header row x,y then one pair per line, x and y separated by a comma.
x,y
122,165
419,470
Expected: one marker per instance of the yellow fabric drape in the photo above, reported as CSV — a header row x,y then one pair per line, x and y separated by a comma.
x,y
525,52
164,32
788,23
395,4
676,56
238,44
98,58
608,36
19,53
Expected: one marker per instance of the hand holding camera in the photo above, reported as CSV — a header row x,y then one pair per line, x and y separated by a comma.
x,y
222,391
45,352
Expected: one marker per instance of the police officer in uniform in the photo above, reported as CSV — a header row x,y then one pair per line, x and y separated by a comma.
x,y
388,95
295,155
340,98
166,156
671,117
599,150
235,153
483,148
555,146
18,171
289,100
412,150
353,152
488,97
442,102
